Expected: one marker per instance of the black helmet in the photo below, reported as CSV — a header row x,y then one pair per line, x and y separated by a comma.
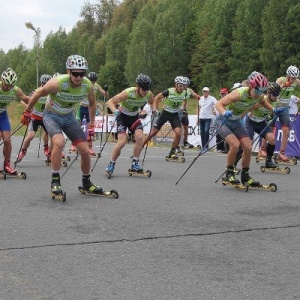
x,y
274,88
143,81
92,76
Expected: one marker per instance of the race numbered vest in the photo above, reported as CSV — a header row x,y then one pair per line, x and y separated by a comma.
x,y
245,104
173,101
64,101
7,97
134,102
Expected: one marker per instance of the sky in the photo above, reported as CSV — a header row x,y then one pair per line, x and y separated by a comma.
x,y
48,15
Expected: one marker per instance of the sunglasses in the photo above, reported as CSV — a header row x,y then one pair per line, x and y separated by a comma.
x,y
275,94
77,74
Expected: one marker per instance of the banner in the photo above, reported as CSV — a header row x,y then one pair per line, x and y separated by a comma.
x,y
293,145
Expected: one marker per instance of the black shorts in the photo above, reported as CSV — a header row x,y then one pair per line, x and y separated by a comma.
x,y
166,116
131,122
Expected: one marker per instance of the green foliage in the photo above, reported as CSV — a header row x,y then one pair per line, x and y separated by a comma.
x,y
213,42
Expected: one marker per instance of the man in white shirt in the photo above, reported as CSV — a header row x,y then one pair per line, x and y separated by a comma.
x,y
205,113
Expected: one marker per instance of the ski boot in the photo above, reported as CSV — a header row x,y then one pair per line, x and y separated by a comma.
x,y
230,179
271,167
282,158
56,190
137,170
110,169
21,156
173,157
88,188
92,152
46,150
261,155
187,145
247,180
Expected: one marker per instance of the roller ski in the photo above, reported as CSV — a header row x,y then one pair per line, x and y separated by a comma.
x,y
56,190
271,167
88,188
174,157
187,145
65,157
8,171
253,184
110,169
136,170
282,158
230,179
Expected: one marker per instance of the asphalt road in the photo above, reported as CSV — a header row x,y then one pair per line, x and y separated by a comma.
x,y
194,240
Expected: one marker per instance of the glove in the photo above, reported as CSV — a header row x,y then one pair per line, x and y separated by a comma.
x,y
26,117
116,112
278,110
91,130
227,113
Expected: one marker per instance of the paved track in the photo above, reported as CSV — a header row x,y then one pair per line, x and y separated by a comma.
x,y
194,240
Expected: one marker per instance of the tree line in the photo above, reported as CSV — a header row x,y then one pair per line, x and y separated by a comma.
x,y
213,42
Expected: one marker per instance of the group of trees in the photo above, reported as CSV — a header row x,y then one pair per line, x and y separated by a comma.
x,y
213,42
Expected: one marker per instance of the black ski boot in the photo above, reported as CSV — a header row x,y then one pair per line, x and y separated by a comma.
x,y
246,178
55,184
89,186
230,176
269,163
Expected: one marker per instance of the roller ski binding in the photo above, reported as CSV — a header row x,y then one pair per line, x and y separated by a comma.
x,y
8,171
282,158
230,179
271,167
56,190
137,170
174,157
110,169
88,188
253,184
20,156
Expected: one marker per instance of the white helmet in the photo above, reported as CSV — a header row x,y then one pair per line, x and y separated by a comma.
x,y
9,76
236,86
45,78
179,79
76,62
56,75
292,71
186,80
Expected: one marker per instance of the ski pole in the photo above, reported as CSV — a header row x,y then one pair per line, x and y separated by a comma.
x,y
40,138
18,127
69,166
16,162
152,121
201,152
100,151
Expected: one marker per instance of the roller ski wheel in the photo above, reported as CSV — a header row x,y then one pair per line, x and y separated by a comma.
x,y
66,158
285,170
179,159
21,175
236,184
109,194
62,196
272,187
141,172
